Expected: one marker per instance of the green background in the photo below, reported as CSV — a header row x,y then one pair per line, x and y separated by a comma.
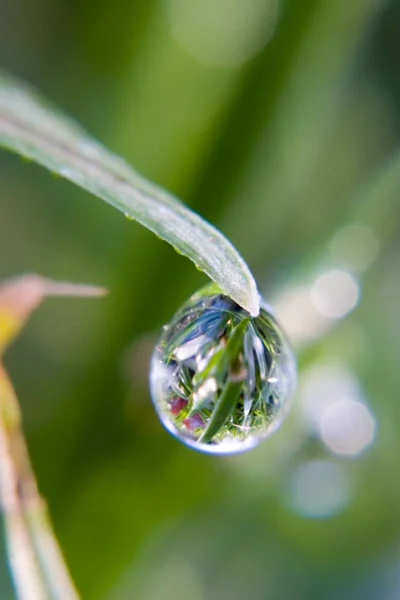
x,y
279,123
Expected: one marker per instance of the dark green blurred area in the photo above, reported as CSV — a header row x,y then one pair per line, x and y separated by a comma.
x,y
280,123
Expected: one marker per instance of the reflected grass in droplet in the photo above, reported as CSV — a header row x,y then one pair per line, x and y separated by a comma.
x,y
220,380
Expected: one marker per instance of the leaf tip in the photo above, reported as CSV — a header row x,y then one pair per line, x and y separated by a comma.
x,y
253,305
249,298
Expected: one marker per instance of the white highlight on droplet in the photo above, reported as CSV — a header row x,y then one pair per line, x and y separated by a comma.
x,y
354,246
189,349
348,428
335,293
224,33
208,387
318,489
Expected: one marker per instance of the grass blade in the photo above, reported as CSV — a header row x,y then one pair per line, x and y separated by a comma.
x,y
32,129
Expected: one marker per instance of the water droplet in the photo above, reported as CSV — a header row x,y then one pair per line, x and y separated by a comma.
x,y
220,380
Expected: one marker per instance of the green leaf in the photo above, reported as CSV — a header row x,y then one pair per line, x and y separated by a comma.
x,y
33,129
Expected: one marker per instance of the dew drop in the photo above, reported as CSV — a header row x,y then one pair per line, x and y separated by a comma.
x,y
220,380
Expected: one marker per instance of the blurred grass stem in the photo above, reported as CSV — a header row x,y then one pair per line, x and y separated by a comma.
x,y
35,559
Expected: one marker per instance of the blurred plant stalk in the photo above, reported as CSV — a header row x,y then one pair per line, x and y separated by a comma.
x,y
35,558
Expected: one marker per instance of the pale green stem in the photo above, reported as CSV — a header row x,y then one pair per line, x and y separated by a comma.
x,y
36,562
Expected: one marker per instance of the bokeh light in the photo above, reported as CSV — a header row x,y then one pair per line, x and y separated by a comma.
x,y
224,33
335,293
332,405
354,246
318,489
348,427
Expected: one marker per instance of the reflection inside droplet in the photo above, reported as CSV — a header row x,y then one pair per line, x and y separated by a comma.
x,y
221,380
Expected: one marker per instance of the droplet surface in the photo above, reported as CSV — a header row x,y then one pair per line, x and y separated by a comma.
x,y
220,380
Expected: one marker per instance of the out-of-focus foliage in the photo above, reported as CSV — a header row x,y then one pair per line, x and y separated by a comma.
x,y
279,122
